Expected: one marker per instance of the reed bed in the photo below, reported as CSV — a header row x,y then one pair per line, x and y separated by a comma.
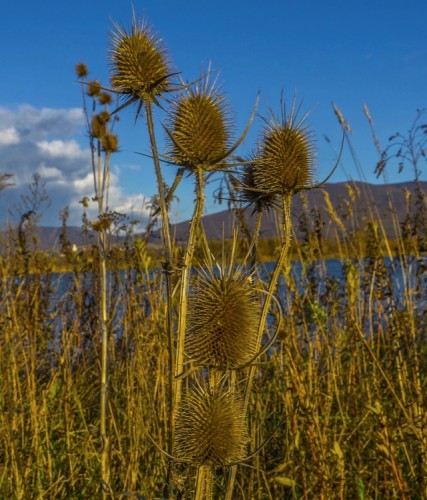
x,y
207,374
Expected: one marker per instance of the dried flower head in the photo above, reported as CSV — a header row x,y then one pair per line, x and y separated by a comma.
x,y
286,158
105,98
250,192
110,143
98,126
139,65
222,319
94,88
210,427
81,70
199,128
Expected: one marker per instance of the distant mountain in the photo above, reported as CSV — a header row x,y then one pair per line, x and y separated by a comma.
x,y
352,201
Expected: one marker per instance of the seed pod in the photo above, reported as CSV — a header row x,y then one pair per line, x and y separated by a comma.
x,y
250,192
222,320
98,128
210,427
286,158
81,70
139,66
110,143
104,98
199,129
94,88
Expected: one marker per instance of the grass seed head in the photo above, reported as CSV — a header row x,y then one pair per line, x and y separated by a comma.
x,y
286,157
210,427
222,321
139,65
199,128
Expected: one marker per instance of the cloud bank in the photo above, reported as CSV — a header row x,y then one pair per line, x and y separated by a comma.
x,y
48,142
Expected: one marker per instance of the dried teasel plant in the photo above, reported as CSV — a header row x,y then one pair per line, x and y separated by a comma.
x,y
211,427
199,128
139,63
285,161
222,318
249,192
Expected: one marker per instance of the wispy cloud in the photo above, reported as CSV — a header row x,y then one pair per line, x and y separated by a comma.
x,y
46,142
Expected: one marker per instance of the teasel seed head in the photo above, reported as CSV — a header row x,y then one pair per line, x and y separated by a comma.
x,y
98,128
105,98
110,143
139,65
199,128
81,70
222,320
249,191
210,427
94,88
286,157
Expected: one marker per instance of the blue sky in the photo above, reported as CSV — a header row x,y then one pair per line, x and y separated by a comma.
x,y
347,52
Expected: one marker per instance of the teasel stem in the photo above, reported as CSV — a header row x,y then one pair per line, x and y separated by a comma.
x,y
185,280
204,483
286,228
103,424
253,242
167,265
100,190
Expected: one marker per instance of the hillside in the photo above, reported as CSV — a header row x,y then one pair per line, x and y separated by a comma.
x,y
367,199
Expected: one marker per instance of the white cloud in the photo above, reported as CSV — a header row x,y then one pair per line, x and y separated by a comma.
x,y
83,184
46,142
9,136
49,172
62,149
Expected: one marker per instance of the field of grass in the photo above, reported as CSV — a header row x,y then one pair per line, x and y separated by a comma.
x,y
197,371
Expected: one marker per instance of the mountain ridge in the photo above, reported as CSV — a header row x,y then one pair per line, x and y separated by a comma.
x,y
352,201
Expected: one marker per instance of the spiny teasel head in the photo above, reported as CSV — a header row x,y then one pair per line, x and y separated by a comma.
x,y
110,143
94,88
139,64
99,124
250,193
286,157
105,98
210,427
222,319
199,128
81,70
